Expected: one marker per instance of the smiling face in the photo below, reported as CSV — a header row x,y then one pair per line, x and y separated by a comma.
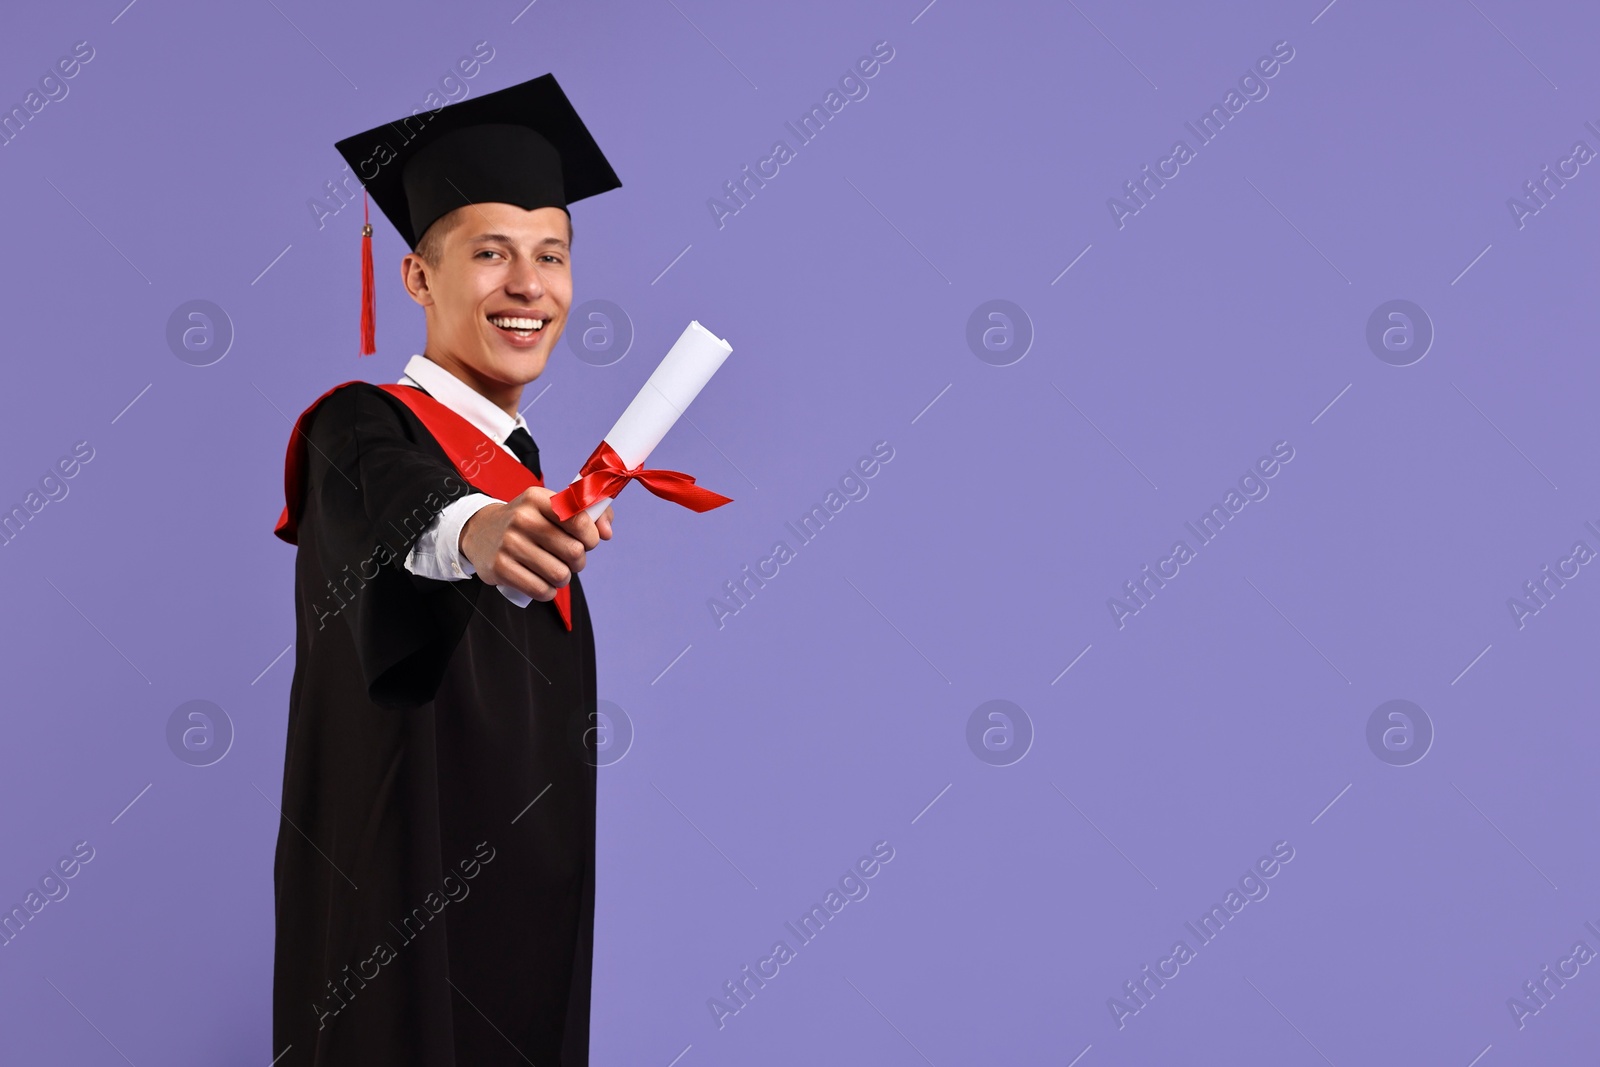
x,y
496,295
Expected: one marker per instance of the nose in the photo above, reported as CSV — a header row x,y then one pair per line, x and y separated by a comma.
x,y
524,279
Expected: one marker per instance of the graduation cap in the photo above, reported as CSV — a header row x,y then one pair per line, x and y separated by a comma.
x,y
524,145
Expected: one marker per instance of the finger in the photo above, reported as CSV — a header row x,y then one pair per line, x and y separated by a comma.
x,y
542,502
520,578
583,528
533,557
556,541
538,528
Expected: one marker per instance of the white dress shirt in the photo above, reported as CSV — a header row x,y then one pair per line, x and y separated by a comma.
x,y
437,552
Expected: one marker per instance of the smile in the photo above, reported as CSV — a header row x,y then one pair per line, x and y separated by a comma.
x,y
521,328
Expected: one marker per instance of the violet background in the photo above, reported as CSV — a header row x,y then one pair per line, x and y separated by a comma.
x,y
832,709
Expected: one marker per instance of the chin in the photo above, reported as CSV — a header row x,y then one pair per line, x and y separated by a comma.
x,y
518,364
521,367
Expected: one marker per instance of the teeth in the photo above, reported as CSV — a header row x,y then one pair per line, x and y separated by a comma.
x,y
509,323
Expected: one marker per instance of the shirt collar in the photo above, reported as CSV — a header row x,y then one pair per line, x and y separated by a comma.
x,y
461,398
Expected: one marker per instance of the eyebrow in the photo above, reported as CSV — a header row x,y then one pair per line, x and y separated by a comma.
x,y
503,239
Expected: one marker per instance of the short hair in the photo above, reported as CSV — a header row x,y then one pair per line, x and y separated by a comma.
x,y
431,246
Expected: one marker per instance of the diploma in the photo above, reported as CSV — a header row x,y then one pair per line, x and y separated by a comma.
x,y
620,457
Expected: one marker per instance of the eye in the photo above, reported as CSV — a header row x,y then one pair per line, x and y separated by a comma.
x,y
487,252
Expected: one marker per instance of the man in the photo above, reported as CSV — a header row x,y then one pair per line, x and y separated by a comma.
x,y
434,874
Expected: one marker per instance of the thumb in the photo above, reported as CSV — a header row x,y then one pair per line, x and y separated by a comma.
x,y
535,493
579,524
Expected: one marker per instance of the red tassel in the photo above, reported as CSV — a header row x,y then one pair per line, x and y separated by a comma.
x,y
368,298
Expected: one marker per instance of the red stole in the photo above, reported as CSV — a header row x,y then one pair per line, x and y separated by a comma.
x,y
479,460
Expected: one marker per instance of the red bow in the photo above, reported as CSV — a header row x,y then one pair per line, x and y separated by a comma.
x,y
603,474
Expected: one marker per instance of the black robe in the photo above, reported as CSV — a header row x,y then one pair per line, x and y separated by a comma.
x,y
426,913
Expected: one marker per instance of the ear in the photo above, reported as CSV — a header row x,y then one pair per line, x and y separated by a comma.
x,y
414,276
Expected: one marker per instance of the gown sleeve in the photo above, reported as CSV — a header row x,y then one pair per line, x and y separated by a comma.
x,y
377,480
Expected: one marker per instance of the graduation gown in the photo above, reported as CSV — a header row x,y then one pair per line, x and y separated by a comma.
x,y
434,871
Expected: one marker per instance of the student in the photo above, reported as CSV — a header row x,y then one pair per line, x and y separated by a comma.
x,y
434,874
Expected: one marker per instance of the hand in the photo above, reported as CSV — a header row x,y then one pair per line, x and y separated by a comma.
x,y
581,527
522,544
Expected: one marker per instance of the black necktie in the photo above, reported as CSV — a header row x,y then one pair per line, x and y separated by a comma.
x,y
521,442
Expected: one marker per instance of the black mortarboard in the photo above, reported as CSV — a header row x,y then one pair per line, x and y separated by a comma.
x,y
524,145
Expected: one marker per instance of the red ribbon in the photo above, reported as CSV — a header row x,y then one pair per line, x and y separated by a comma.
x,y
604,475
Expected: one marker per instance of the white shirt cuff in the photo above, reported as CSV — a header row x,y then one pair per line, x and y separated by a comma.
x,y
437,552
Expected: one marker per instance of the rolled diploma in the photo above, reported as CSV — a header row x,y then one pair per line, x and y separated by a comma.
x,y
688,366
